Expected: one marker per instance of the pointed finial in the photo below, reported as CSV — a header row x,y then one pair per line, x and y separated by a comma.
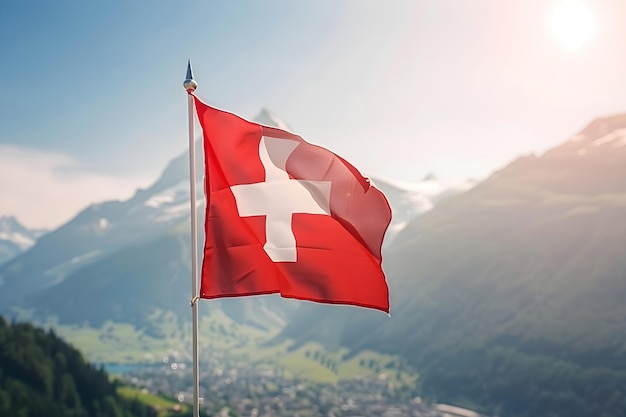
x,y
190,84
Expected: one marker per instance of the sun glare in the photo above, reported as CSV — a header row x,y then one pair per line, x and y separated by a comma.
x,y
571,24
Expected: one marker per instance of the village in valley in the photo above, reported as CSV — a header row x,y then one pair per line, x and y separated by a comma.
x,y
263,391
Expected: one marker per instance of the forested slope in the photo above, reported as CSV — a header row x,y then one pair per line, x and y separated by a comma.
x,y
40,375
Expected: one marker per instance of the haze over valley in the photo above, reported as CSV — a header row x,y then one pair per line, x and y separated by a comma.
x,y
496,130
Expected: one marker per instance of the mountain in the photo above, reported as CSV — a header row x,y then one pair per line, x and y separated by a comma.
x,y
94,234
134,257
15,238
267,118
510,296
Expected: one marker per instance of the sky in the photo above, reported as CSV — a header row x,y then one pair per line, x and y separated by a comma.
x,y
92,105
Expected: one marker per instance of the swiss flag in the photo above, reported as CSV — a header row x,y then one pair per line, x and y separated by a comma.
x,y
284,216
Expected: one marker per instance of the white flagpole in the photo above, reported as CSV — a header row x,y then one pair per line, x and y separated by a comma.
x,y
190,85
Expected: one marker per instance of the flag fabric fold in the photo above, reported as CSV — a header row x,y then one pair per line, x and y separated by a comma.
x,y
285,216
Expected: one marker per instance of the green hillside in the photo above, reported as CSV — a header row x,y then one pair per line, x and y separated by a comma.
x,y
40,375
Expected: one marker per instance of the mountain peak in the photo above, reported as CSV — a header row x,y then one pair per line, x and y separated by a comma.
x,y
267,118
601,127
14,237
599,147
10,223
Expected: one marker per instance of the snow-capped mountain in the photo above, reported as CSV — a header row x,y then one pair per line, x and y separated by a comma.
x,y
96,232
409,200
142,244
267,118
14,238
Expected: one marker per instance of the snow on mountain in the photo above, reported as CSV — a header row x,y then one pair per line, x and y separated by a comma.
x,y
411,199
98,231
14,238
21,240
617,138
607,133
12,230
102,233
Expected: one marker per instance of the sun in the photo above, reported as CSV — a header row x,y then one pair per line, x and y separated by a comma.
x,y
571,24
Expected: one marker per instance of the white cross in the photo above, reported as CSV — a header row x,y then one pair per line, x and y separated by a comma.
x,y
279,197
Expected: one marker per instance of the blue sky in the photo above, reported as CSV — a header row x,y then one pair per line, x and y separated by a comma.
x,y
92,104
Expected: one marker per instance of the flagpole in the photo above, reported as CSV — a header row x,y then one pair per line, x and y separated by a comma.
x,y
190,85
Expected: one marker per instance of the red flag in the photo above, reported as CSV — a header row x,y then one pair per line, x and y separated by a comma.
x,y
284,216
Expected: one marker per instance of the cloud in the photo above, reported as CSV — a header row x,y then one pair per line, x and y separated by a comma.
x,y
46,189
